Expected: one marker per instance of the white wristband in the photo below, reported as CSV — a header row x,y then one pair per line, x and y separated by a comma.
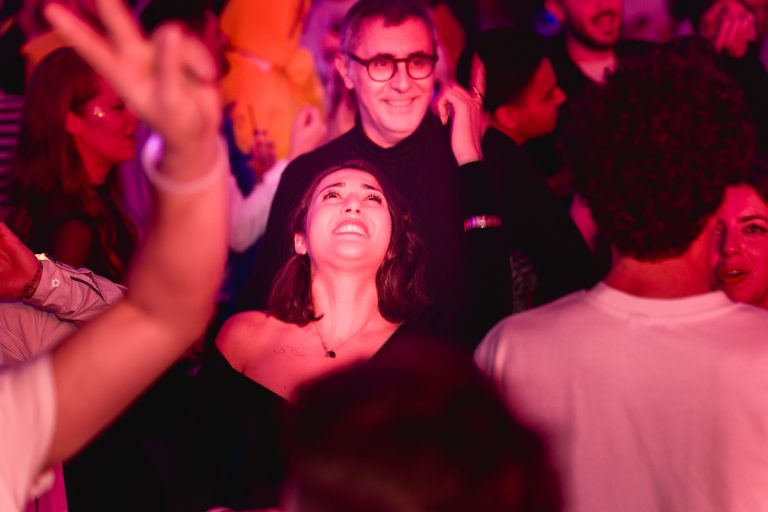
x,y
153,150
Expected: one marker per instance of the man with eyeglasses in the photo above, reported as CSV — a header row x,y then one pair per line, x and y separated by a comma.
x,y
387,57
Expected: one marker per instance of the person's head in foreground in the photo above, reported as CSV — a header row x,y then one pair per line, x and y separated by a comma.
x,y
662,140
740,245
351,221
417,429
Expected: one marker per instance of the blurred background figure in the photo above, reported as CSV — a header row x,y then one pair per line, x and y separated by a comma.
x,y
648,20
270,76
522,99
65,195
321,37
737,29
418,429
40,38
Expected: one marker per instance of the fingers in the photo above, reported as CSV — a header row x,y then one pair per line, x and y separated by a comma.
x,y
120,26
732,27
167,41
454,98
451,98
443,108
308,119
82,37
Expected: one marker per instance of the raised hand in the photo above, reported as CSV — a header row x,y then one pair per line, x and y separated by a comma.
x,y
467,128
17,264
730,26
169,80
309,131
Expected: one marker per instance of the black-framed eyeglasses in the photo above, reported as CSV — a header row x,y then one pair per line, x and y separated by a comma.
x,y
382,68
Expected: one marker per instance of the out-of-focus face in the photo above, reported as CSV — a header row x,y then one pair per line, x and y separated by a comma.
x,y
215,41
539,105
390,111
740,247
348,223
594,23
104,132
760,10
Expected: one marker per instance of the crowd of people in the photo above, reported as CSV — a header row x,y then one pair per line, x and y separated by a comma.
x,y
382,255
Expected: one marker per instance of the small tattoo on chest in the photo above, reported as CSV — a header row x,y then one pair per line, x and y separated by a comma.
x,y
288,349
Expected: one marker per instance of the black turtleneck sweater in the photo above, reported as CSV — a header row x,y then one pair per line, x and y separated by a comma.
x,y
423,169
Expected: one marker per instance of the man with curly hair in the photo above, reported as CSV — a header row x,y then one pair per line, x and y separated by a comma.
x,y
650,387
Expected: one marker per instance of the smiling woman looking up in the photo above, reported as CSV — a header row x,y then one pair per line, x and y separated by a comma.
x,y
354,278
351,290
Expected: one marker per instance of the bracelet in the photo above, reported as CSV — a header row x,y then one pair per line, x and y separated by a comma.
x,y
150,154
482,222
29,289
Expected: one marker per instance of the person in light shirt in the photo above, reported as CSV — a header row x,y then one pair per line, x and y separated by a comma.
x,y
51,407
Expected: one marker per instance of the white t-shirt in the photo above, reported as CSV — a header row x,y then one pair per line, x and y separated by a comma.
x,y
27,410
648,404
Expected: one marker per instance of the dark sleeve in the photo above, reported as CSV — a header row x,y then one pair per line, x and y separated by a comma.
x,y
489,297
232,453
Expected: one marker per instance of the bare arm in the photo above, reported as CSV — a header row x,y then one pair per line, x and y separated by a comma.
x,y
169,81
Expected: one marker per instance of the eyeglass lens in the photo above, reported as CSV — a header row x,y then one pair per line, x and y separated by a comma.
x,y
384,67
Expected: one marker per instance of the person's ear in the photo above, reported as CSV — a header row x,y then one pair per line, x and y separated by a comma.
x,y
342,66
74,123
506,116
555,7
298,244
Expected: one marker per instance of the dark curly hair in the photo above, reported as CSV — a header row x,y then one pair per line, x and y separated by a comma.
x,y
654,149
399,279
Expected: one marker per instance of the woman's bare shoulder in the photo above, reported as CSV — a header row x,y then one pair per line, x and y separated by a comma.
x,y
244,335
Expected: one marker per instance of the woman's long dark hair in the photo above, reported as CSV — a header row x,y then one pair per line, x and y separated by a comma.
x,y
399,279
48,175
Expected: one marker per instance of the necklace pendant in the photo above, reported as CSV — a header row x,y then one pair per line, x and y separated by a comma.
x,y
330,353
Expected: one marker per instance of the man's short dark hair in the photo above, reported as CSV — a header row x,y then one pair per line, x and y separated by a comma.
x,y
399,279
653,150
393,12
511,58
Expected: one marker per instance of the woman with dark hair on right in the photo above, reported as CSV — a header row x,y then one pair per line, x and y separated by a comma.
x,y
740,245
353,288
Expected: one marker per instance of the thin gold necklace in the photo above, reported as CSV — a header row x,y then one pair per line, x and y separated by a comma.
x,y
332,352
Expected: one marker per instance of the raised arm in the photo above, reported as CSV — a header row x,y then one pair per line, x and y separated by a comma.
x,y
168,81
465,111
